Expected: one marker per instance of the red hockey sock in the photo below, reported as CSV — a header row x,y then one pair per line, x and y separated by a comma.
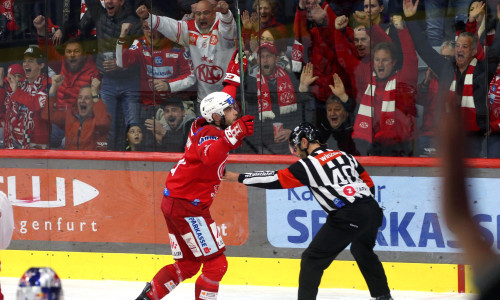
x,y
164,282
206,289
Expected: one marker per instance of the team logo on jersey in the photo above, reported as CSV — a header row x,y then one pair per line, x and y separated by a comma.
x,y
214,40
133,47
158,60
390,122
193,38
209,74
204,45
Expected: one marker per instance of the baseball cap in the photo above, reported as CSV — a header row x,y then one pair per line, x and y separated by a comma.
x,y
34,52
15,69
270,47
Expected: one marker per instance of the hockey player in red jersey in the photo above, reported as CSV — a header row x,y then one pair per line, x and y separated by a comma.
x,y
190,189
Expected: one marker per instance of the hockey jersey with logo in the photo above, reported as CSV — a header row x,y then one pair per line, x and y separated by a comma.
x,y
210,52
171,63
197,175
494,103
24,124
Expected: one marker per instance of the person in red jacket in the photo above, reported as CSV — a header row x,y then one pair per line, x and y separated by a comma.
x,y
166,67
17,71
494,109
75,66
386,117
353,47
87,124
24,125
190,189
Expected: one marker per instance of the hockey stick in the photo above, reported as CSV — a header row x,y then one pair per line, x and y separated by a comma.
x,y
240,57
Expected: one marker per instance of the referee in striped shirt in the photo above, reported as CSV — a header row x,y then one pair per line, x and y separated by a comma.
x,y
345,191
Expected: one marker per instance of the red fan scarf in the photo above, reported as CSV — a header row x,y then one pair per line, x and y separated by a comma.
x,y
467,101
287,99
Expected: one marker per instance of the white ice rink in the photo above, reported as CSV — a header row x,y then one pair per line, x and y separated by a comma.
x,y
126,290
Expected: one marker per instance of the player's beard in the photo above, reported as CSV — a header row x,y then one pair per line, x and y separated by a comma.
x,y
223,124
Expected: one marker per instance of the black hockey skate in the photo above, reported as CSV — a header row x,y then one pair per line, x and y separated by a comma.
x,y
143,295
384,297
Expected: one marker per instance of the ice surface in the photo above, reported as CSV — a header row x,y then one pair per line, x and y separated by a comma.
x,y
123,290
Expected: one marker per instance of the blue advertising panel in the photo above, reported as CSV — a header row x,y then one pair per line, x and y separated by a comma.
x,y
413,221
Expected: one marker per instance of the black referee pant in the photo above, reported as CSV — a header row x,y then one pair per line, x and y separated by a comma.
x,y
355,223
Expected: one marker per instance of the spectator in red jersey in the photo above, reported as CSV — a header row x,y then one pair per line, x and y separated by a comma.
x,y
76,68
189,193
166,69
7,21
25,128
18,71
210,38
87,124
494,108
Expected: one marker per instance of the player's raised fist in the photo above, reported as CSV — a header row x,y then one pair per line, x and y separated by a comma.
x,y
240,129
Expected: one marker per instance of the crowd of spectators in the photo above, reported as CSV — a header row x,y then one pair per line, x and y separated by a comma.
x,y
128,75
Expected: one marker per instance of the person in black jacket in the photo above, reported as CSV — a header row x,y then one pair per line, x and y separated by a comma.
x,y
336,129
120,87
462,81
171,128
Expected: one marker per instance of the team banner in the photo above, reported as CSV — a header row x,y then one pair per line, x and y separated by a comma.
x,y
413,220
107,206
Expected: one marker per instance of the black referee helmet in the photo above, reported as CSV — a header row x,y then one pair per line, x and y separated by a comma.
x,y
304,130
